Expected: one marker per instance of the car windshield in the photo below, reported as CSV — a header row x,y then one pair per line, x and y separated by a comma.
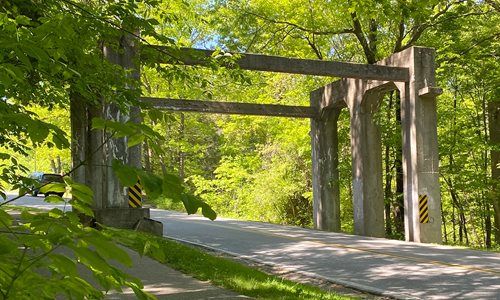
x,y
52,178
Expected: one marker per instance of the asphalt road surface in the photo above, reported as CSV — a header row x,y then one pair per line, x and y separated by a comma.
x,y
386,267
391,268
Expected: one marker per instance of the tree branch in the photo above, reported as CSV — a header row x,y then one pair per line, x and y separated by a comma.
x,y
301,28
358,31
401,34
418,29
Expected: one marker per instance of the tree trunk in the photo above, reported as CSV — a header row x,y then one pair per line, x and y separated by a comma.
x,y
181,151
494,131
388,195
445,233
399,211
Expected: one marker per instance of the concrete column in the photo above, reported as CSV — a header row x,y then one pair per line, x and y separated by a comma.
x,y
420,147
86,147
98,149
326,190
95,168
130,55
368,196
115,148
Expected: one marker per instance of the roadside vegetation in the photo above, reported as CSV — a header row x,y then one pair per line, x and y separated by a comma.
x,y
220,271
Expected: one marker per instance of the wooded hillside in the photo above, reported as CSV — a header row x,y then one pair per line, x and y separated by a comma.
x,y
259,168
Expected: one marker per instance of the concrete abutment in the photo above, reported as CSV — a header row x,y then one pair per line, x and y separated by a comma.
x,y
420,149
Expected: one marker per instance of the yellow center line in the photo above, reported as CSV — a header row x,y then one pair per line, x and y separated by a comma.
x,y
336,245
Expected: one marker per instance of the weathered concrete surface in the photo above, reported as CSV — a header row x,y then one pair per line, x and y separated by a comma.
x,y
120,217
94,151
420,146
259,62
326,189
230,107
324,148
366,151
420,151
149,226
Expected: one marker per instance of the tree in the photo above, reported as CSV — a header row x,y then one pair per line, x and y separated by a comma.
x,y
362,31
51,51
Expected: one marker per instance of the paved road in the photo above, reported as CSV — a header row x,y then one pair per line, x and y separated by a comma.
x,y
393,268
36,202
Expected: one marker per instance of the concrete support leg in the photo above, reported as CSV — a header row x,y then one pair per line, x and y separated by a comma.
x,y
420,147
98,149
368,196
86,147
324,139
326,190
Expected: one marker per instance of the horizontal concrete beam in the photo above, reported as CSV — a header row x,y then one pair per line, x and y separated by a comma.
x,y
430,91
230,107
258,62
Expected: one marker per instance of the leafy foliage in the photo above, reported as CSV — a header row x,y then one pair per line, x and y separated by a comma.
x,y
50,254
49,51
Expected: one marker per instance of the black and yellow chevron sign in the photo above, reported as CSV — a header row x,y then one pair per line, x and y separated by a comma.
x,y
135,195
423,206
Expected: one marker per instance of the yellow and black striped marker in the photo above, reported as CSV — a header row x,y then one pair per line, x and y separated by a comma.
x,y
423,206
135,195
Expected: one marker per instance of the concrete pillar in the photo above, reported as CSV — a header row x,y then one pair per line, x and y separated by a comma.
x,y
367,186
86,146
420,147
98,149
326,190
115,148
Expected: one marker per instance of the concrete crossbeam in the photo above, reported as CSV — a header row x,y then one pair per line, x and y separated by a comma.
x,y
230,107
259,62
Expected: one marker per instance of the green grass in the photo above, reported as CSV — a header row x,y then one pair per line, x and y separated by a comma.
x,y
220,271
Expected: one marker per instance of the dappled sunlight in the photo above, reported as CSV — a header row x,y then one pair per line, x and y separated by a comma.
x,y
398,267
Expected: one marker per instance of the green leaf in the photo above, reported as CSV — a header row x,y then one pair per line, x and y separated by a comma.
x,y
56,212
207,211
139,293
5,219
135,139
127,175
36,52
7,245
82,193
23,20
108,249
155,115
55,187
98,123
64,265
92,259
53,199
83,208
172,186
191,203
152,184
23,58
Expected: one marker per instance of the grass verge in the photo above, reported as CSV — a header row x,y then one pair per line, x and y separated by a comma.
x,y
219,271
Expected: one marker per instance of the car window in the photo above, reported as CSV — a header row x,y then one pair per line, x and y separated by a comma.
x,y
52,178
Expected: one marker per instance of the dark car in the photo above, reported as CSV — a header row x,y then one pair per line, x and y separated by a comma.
x,y
43,179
